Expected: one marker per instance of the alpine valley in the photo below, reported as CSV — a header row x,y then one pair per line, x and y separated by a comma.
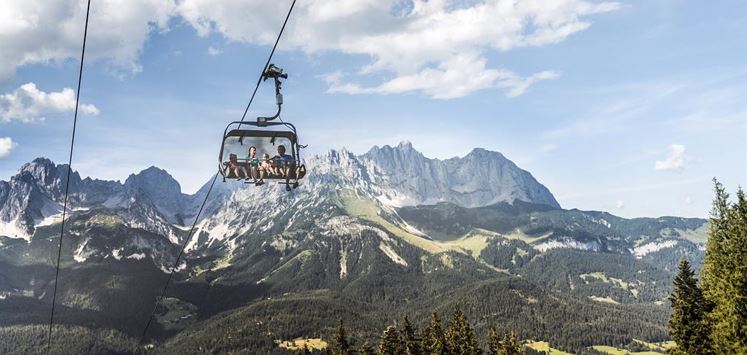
x,y
366,238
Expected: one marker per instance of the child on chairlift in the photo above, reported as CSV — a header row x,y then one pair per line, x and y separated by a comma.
x,y
267,164
235,167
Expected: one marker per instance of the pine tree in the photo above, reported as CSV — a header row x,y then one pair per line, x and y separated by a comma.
x,y
433,337
340,344
366,349
391,343
712,281
739,224
460,338
510,345
410,340
493,342
686,322
724,273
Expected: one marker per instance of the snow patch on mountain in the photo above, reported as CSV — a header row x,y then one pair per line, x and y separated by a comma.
x,y
392,254
567,243
50,220
136,256
117,253
12,230
343,263
82,253
653,247
167,270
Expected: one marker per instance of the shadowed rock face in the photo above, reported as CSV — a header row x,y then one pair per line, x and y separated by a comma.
x,y
31,194
161,189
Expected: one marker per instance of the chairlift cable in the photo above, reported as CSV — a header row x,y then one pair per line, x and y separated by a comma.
x,y
176,262
207,195
67,182
267,64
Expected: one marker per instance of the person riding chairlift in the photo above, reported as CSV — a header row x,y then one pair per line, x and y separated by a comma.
x,y
255,169
235,167
285,163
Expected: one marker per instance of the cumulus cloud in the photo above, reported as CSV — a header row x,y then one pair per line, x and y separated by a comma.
x,y
434,47
6,145
456,77
675,159
29,104
42,31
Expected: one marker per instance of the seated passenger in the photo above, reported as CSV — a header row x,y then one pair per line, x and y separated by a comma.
x,y
287,165
266,164
254,168
235,168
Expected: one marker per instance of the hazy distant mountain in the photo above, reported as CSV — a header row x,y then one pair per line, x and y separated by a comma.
x,y
366,237
480,178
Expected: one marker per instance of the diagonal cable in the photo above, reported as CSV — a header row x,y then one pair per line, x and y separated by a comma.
x,y
67,181
267,64
176,262
191,231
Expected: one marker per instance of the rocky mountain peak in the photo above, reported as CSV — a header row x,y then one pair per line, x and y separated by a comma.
x,y
484,153
161,189
44,172
153,180
480,178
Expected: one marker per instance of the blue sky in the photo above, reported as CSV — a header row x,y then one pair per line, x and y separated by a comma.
x,y
629,107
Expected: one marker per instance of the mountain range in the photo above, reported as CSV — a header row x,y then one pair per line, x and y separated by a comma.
x,y
368,238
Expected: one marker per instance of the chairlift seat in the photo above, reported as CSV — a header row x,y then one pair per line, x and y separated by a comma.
x,y
266,139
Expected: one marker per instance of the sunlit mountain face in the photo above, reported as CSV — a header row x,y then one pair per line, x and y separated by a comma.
x,y
367,238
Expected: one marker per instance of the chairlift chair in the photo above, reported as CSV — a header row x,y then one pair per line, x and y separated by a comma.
x,y
266,137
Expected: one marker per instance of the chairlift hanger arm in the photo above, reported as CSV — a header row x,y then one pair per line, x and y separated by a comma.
x,y
276,74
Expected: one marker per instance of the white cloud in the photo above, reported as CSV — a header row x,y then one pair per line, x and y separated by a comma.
x,y
457,77
675,160
688,200
434,47
620,204
212,51
6,145
29,104
43,31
